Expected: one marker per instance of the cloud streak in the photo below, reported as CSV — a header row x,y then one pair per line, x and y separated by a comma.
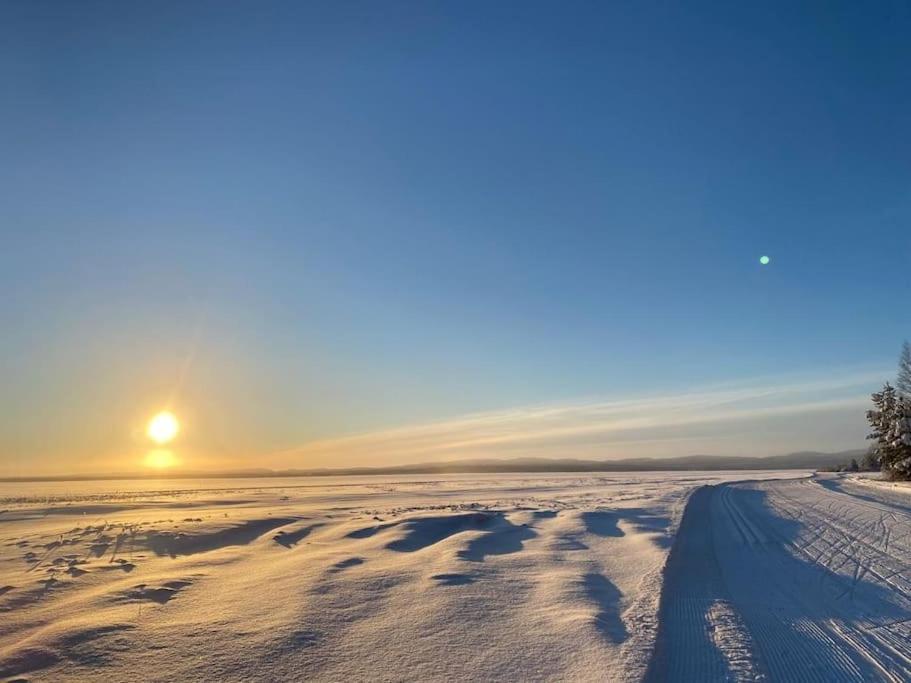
x,y
752,418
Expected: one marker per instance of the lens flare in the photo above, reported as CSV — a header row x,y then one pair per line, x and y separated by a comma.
x,y
764,260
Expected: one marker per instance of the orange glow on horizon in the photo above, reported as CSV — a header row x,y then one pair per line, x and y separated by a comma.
x,y
160,459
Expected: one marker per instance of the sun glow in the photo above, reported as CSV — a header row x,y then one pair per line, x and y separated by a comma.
x,y
160,459
163,428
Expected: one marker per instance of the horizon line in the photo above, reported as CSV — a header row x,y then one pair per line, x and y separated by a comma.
x,y
416,468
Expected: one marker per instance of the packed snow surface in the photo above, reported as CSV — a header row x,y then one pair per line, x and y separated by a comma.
x,y
477,577
804,580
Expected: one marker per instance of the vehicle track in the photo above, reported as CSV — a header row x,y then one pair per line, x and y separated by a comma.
x,y
814,584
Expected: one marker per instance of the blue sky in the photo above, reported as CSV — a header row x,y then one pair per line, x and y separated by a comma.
x,y
301,222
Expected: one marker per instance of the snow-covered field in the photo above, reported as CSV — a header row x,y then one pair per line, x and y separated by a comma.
x,y
477,577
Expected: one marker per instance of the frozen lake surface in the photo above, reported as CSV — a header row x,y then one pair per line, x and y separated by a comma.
x,y
431,578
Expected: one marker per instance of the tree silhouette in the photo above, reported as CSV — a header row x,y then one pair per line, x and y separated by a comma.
x,y
903,383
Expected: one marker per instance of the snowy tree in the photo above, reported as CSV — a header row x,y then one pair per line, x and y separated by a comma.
x,y
891,423
903,383
870,462
853,467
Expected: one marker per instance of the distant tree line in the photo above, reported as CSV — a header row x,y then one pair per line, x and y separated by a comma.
x,y
891,422
869,463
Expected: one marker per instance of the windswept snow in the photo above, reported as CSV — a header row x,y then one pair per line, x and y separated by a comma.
x,y
477,577
775,577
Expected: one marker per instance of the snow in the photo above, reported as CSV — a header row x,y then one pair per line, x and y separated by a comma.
x,y
889,488
816,572
480,577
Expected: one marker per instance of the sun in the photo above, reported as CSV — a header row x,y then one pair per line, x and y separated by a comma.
x,y
163,427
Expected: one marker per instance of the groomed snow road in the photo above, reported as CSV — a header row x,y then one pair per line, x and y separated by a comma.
x,y
802,580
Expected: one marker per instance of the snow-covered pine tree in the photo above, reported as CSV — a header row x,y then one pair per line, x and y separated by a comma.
x,y
903,382
901,438
891,422
870,462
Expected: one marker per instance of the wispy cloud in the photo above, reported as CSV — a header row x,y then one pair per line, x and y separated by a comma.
x,y
759,417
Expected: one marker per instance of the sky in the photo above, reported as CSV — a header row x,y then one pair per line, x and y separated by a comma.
x,y
334,234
